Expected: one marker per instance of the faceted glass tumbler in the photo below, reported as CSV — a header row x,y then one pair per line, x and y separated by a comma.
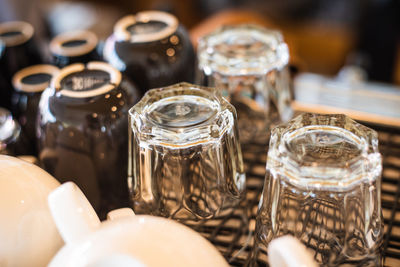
x,y
248,63
323,186
185,161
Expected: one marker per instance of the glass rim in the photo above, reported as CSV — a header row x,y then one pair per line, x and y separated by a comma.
x,y
175,135
122,34
203,91
24,29
18,77
115,79
277,57
57,43
324,175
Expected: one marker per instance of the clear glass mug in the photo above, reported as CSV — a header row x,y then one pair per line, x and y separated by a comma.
x,y
185,162
323,186
249,64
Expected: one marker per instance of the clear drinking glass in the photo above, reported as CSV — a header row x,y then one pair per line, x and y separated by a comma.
x,y
185,161
249,64
323,186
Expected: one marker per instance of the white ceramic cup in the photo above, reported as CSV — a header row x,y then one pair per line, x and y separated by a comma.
x,y
124,239
28,235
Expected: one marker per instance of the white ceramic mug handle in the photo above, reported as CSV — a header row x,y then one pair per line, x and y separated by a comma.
x,y
72,213
289,252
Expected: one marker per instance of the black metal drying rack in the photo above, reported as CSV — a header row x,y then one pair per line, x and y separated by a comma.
x,y
233,236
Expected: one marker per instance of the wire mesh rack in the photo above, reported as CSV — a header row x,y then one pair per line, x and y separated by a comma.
x,y
233,235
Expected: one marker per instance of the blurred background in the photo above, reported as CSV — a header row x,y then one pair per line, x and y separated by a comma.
x,y
323,35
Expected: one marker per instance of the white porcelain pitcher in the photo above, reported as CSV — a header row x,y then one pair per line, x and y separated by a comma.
x,y
28,235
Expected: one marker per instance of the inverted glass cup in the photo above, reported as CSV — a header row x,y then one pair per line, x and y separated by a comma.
x,y
249,64
323,186
185,161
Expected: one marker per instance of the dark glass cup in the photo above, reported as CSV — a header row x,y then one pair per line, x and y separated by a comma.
x,y
152,49
74,47
20,51
83,132
5,85
29,83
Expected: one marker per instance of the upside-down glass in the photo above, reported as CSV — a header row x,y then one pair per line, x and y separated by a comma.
x,y
185,161
18,49
29,83
249,64
323,186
